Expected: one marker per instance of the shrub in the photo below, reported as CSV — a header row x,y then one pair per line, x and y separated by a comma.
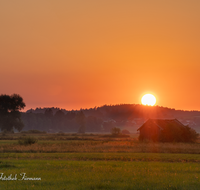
x,y
190,135
27,141
126,132
167,131
115,131
175,134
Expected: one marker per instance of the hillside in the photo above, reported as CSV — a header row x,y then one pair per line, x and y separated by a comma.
x,y
102,119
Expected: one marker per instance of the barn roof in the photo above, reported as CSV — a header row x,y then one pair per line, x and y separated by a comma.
x,y
163,123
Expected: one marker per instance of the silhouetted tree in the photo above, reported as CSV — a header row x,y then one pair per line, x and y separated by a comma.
x,y
70,115
48,113
10,116
93,124
115,131
59,114
59,120
125,132
80,118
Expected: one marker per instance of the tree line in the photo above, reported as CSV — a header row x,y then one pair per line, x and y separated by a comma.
x,y
61,122
97,119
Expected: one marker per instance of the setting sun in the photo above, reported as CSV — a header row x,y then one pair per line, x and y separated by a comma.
x,y
148,99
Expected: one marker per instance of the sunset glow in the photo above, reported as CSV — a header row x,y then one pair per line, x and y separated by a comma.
x,y
148,99
82,54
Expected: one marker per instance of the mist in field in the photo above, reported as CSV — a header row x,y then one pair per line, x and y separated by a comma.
x,y
102,119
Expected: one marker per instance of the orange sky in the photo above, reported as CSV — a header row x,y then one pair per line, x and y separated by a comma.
x,y
80,54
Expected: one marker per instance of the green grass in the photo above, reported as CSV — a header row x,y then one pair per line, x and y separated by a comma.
x,y
75,162
3,142
96,146
82,174
127,157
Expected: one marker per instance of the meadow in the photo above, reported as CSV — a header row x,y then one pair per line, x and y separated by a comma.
x,y
72,161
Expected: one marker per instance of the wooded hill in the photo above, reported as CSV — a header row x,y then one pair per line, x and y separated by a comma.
x,y
104,118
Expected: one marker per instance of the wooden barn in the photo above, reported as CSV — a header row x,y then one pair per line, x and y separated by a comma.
x,y
167,130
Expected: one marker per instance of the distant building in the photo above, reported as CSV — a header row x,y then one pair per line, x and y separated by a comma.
x,y
162,130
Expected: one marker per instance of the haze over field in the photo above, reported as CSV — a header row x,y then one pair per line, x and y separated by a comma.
x,y
81,54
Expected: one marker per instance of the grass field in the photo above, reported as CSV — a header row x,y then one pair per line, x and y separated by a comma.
x,y
98,162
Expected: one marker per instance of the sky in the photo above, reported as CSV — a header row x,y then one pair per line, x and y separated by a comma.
x,y
76,54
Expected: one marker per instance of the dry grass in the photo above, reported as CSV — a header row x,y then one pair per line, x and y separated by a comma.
x,y
55,143
70,161
102,146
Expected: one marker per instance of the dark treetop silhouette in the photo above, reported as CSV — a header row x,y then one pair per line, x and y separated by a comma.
x,y
10,116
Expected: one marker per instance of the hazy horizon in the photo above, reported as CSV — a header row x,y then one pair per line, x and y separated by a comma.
x,y
77,109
